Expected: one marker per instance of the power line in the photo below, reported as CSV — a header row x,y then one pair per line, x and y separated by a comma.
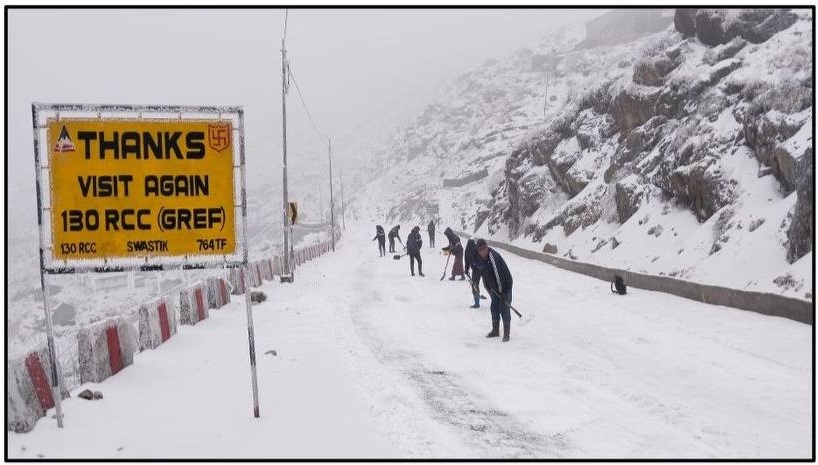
x,y
309,115
286,14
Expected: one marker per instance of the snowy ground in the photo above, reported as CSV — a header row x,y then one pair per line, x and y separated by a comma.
x,y
373,363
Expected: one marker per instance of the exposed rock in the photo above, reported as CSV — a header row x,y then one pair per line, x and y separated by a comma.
x,y
787,281
755,224
576,179
725,51
701,188
785,168
480,218
549,248
721,71
86,394
763,133
652,71
630,110
756,25
799,236
592,128
640,141
629,196
684,19
572,219
532,188
97,395
614,243
565,155
778,21
709,27
466,179
257,296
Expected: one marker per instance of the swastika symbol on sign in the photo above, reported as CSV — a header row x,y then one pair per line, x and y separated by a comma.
x,y
219,136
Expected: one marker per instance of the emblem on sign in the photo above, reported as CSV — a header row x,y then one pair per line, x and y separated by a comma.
x,y
218,136
64,143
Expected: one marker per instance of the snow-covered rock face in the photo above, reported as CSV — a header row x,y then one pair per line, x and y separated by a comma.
x,y
708,120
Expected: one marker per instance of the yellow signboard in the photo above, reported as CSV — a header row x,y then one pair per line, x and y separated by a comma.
x,y
126,188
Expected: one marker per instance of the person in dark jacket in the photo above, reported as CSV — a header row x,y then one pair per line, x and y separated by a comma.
x,y
413,245
394,233
474,270
431,229
381,237
497,280
456,249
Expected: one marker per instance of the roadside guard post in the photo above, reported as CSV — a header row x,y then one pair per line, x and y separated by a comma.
x,y
139,188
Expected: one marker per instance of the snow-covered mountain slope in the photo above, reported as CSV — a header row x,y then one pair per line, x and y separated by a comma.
x,y
685,153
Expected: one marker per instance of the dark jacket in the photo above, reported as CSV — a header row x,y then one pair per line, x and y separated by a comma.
x,y
472,259
394,232
414,242
496,276
431,227
379,234
454,242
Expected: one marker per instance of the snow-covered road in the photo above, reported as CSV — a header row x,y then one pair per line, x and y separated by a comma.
x,y
374,363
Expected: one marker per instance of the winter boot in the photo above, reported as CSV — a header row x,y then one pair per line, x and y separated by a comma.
x,y
476,302
495,329
506,329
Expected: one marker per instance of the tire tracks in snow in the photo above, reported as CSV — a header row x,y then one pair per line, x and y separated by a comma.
x,y
490,432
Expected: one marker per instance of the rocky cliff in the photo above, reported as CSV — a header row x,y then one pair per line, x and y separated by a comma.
x,y
685,152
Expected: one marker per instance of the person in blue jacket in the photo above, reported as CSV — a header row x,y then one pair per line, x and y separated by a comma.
x,y
497,280
413,245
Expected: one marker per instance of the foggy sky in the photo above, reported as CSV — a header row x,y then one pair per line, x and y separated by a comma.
x,y
352,66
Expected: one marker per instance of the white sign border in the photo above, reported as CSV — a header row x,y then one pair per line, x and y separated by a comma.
x,y
41,112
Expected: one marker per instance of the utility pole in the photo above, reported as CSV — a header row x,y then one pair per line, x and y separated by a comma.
x,y
322,217
343,204
287,227
545,101
331,204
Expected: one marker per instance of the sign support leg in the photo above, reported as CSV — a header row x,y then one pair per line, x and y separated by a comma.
x,y
251,339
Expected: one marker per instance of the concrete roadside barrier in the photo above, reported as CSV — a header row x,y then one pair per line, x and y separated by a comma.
x,y
217,296
237,280
105,348
759,302
193,304
29,390
157,323
258,277
268,273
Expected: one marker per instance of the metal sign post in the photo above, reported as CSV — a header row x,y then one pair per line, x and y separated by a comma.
x,y
251,337
52,352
